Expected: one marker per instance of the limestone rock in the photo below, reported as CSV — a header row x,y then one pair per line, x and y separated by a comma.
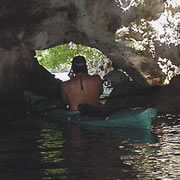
x,y
28,25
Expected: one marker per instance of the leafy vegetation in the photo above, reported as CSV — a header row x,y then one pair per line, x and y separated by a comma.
x,y
60,57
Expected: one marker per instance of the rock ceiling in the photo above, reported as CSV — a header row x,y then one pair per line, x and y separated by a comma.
x,y
27,25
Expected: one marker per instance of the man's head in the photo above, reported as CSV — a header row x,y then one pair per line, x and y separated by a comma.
x,y
79,65
101,67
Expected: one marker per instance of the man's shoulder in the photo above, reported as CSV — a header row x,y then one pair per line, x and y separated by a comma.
x,y
65,83
70,81
97,78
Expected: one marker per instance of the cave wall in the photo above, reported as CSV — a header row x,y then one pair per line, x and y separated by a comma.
x,y
28,25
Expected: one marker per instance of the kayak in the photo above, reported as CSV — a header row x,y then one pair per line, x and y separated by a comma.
x,y
130,118
87,115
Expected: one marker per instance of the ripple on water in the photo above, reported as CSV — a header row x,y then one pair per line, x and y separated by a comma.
x,y
69,152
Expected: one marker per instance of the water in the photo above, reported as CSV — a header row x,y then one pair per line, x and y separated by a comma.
x,y
62,76
33,148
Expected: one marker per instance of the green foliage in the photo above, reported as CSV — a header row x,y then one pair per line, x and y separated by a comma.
x,y
60,57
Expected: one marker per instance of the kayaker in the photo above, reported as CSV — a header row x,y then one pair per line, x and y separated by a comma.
x,y
81,88
102,70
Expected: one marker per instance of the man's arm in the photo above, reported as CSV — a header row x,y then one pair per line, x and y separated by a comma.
x,y
71,74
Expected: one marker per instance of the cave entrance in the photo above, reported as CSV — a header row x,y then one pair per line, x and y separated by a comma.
x,y
58,59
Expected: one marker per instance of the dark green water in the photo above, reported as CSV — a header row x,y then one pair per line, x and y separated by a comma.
x,y
35,149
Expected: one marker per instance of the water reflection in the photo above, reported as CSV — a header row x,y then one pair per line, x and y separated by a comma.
x,y
51,145
160,160
19,153
83,154
32,150
88,153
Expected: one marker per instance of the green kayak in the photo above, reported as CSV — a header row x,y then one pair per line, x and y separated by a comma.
x,y
130,118
93,116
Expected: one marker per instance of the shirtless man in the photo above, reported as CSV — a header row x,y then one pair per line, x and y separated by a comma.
x,y
81,88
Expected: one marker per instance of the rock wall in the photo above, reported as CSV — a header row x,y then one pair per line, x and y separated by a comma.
x,y
28,25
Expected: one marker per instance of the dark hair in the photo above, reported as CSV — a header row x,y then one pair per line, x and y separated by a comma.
x,y
79,64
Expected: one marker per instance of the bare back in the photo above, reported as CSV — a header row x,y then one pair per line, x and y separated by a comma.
x,y
82,89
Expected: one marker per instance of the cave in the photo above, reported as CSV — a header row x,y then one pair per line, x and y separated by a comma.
x,y
30,25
